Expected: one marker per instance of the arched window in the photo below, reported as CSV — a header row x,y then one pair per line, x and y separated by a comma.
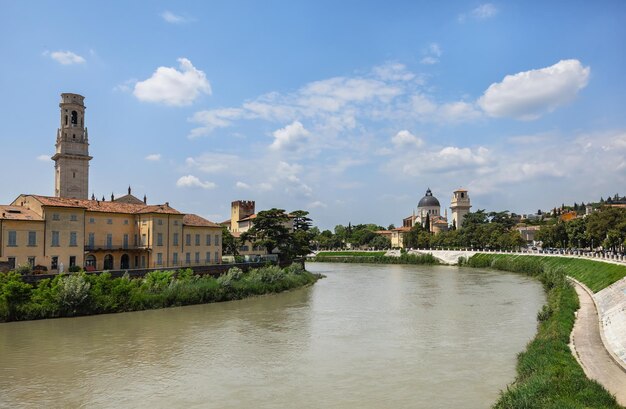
x,y
108,262
90,261
74,118
125,261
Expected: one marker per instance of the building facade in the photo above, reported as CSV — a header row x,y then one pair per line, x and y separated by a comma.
x,y
70,230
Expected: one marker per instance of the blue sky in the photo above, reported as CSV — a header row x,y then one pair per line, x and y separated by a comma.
x,y
347,109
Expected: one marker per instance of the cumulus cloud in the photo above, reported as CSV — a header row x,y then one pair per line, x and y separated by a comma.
x,y
405,138
170,86
172,18
212,119
153,157
43,158
65,57
393,72
292,137
193,181
529,94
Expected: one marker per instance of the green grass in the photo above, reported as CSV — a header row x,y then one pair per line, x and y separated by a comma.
x,y
350,253
548,375
82,294
381,259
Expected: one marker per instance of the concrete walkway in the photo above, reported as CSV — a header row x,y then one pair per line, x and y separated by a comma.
x,y
590,351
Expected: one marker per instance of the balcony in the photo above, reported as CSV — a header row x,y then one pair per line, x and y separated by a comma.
x,y
117,247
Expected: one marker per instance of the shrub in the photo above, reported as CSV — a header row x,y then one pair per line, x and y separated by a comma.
x,y
73,292
156,281
23,269
74,269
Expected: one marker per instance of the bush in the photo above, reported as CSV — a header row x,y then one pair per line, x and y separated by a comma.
x,y
74,269
23,269
73,293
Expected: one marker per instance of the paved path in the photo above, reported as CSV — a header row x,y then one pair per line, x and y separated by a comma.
x,y
589,349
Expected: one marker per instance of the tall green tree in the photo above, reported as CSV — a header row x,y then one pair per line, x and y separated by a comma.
x,y
269,231
230,244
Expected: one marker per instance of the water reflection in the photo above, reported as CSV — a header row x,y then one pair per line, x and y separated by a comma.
x,y
364,337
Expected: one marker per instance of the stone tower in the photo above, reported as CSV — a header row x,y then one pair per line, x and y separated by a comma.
x,y
71,168
460,206
240,209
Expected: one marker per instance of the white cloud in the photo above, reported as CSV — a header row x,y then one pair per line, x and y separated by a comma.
x,y
317,204
172,18
292,137
432,54
215,118
126,86
173,87
153,157
242,185
43,158
405,138
484,11
393,72
193,181
65,57
529,94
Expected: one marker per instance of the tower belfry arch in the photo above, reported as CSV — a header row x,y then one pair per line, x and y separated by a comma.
x,y
71,159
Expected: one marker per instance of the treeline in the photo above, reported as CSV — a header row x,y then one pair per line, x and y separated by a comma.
x,y
479,230
604,228
404,258
87,294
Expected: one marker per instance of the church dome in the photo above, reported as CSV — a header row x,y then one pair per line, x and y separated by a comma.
x,y
428,200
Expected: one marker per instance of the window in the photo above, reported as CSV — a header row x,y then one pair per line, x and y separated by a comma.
x,y
12,238
159,239
188,258
126,241
126,221
217,239
208,257
109,221
216,258
197,239
55,216
92,220
160,222
92,240
55,239
109,240
73,239
31,262
175,239
73,218
72,261
175,259
188,240
208,239
197,257
143,240
159,259
74,118
32,238
175,222
136,243
11,261
54,264
244,248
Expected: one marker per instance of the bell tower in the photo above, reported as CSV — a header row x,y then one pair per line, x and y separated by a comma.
x,y
71,160
460,206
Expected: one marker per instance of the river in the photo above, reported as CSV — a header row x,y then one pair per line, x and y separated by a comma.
x,y
366,336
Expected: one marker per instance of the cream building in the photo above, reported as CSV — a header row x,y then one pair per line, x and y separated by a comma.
x,y
428,215
70,230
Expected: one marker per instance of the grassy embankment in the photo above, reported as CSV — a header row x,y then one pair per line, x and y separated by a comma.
x,y
373,257
548,375
82,294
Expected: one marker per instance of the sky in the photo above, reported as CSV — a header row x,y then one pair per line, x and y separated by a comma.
x,y
347,109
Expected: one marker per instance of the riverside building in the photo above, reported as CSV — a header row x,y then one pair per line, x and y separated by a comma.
x,y
69,229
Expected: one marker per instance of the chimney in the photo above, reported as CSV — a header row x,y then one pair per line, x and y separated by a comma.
x,y
145,200
112,197
128,189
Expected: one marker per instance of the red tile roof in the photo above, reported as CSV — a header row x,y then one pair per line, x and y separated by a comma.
x,y
195,220
104,206
18,213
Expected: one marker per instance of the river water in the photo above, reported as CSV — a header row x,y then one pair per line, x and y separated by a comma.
x,y
367,336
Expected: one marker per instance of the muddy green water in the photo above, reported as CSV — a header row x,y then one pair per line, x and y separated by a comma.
x,y
365,337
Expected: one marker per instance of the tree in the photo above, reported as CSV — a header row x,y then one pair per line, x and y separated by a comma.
x,y
270,231
302,235
230,244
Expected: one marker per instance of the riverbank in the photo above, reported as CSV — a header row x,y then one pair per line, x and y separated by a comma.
x,y
82,294
376,258
548,375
